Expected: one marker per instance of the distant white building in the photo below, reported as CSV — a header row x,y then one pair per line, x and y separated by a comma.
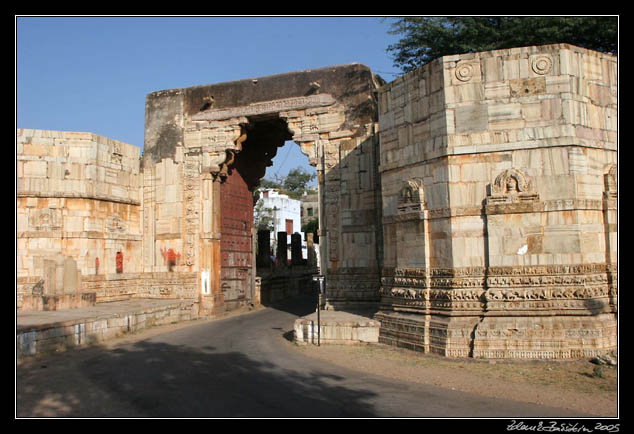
x,y
286,214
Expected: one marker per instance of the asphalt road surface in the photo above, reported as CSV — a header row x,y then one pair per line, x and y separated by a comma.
x,y
238,367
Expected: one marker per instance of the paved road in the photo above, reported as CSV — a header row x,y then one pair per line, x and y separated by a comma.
x,y
242,366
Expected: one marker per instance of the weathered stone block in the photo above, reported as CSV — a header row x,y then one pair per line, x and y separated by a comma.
x,y
471,118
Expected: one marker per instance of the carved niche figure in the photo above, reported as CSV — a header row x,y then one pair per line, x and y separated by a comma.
x,y
611,181
512,185
411,196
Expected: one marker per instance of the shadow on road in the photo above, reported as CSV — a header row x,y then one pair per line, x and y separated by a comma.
x,y
299,306
150,379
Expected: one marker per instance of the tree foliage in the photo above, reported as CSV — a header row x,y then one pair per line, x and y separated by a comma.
x,y
294,185
263,217
427,38
311,226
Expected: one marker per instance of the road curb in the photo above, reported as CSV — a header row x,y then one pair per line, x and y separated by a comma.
x,y
62,334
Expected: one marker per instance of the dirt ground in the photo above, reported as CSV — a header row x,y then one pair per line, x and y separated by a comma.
x,y
578,385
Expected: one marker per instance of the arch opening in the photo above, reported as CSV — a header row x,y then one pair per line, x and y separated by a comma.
x,y
245,254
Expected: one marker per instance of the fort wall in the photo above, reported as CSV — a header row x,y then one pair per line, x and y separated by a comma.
x,y
497,176
474,200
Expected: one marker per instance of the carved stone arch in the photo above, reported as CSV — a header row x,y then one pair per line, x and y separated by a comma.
x,y
226,134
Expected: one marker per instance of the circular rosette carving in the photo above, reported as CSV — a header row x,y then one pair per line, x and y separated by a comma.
x,y
541,64
464,71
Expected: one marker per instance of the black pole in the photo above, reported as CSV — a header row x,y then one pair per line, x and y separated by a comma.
x,y
318,320
319,278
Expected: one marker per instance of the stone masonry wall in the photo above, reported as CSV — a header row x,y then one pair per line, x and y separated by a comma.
x,y
79,222
498,173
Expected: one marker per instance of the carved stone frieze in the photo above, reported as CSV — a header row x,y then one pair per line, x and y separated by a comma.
x,y
557,287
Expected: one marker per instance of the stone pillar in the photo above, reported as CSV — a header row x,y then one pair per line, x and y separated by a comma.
x,y
610,221
71,276
49,275
310,250
211,297
282,252
264,248
296,248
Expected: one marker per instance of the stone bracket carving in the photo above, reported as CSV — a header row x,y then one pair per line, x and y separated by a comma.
x,y
217,162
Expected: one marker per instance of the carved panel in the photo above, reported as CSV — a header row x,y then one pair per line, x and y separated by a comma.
x,y
46,220
191,203
332,219
115,223
116,156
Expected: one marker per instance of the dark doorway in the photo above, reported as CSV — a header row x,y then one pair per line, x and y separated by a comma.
x,y
264,136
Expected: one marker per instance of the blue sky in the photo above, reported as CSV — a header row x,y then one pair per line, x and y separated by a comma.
x,y
92,74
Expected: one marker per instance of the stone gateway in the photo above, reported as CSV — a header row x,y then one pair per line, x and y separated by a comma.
x,y
473,201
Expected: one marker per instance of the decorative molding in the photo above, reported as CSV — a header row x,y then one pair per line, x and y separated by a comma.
x,y
74,195
260,108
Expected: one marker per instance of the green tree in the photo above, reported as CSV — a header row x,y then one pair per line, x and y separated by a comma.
x,y
294,185
311,226
297,182
427,38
